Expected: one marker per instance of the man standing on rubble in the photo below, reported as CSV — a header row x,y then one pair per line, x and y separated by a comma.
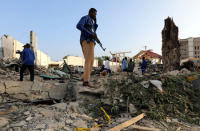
x,y
28,58
143,65
87,41
124,64
131,66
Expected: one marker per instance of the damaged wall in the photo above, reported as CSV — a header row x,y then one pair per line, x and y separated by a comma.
x,y
170,46
43,59
17,46
7,43
10,46
33,43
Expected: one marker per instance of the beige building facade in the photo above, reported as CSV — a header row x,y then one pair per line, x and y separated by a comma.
x,y
190,49
9,47
78,61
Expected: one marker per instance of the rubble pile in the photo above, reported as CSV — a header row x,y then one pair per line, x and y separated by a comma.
x,y
160,96
156,68
168,100
58,117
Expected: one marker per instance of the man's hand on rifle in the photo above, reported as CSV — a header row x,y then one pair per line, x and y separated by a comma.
x,y
93,35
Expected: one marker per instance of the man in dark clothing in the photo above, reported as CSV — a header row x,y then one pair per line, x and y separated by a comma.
x,y
131,66
143,65
28,58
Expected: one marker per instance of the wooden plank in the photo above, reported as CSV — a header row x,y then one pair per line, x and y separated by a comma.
x,y
178,129
127,123
142,128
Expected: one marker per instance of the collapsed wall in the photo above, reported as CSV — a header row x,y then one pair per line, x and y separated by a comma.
x,y
170,46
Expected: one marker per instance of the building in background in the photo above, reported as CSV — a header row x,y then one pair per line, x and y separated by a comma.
x,y
78,61
190,49
9,46
148,54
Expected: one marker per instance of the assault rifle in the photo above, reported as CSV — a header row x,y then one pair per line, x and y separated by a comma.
x,y
96,38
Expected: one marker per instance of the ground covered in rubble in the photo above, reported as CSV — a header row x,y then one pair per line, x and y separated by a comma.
x,y
170,101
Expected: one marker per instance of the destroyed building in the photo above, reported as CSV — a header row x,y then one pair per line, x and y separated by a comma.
x,y
9,46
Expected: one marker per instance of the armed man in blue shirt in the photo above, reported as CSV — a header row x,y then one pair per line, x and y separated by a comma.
x,y
28,58
88,26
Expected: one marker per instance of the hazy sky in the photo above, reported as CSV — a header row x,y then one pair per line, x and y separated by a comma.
x,y
124,25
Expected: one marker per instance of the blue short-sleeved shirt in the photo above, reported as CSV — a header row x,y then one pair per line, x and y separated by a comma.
x,y
85,33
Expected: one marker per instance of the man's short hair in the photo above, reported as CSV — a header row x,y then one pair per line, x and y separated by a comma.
x,y
92,10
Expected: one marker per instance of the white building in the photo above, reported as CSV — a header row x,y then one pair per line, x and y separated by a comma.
x,y
78,61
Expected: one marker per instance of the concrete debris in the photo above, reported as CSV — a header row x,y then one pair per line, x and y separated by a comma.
x,y
3,122
61,106
183,71
64,104
145,84
132,109
158,84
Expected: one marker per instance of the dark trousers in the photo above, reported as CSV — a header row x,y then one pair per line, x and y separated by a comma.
x,y
31,70
108,70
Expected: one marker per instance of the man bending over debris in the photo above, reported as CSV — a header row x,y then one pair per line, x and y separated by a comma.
x,y
87,41
28,58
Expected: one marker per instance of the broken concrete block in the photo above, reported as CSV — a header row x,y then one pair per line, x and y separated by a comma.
x,y
61,106
18,124
132,109
46,112
184,71
3,121
58,92
172,73
145,84
157,84
80,124
92,91
15,87
2,88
